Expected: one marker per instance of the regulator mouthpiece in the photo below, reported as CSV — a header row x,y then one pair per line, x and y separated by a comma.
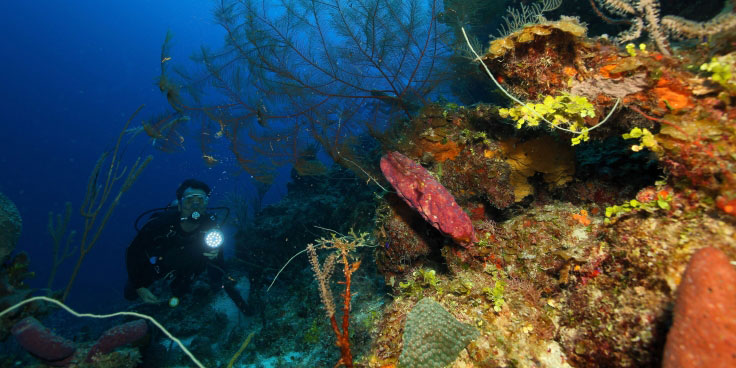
x,y
194,216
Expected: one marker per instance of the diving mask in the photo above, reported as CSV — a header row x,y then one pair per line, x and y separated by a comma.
x,y
194,199
196,203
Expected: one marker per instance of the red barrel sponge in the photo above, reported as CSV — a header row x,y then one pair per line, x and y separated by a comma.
x,y
428,197
118,336
44,344
703,333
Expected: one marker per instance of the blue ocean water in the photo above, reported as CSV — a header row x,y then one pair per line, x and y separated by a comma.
x,y
72,74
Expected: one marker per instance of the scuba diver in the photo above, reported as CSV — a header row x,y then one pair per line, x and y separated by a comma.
x,y
177,245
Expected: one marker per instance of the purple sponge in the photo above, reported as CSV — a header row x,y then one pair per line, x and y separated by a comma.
x,y
38,340
120,335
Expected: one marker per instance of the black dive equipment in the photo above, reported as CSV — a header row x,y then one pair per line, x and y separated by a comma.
x,y
213,239
156,212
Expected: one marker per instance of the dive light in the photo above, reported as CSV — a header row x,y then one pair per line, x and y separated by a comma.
x,y
213,238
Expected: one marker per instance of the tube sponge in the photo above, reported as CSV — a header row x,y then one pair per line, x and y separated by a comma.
x,y
118,336
43,343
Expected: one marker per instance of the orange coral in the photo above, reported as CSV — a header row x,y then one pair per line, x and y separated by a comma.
x,y
441,151
727,206
672,93
605,71
582,218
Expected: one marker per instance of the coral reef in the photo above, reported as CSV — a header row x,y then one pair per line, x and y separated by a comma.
x,y
282,229
10,226
559,231
553,232
13,268
580,250
567,255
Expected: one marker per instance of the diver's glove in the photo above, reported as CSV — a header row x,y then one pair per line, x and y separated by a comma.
x,y
146,295
211,255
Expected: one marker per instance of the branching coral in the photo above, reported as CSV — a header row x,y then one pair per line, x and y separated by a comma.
x,y
298,73
103,194
645,14
518,18
342,248
684,28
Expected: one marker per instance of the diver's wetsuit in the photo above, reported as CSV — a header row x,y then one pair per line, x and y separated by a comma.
x,y
163,250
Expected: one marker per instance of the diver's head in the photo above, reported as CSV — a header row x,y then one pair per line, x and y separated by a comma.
x,y
193,196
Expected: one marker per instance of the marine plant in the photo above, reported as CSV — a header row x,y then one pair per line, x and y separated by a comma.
x,y
104,191
646,140
294,74
723,71
649,201
341,251
495,294
563,112
419,280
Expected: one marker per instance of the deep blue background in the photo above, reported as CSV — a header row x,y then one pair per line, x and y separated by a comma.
x,y
72,72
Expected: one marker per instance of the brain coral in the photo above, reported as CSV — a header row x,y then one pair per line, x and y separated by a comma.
x,y
433,337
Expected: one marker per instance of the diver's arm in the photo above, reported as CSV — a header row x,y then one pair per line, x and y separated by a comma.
x,y
212,255
138,267
146,295
137,263
220,260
